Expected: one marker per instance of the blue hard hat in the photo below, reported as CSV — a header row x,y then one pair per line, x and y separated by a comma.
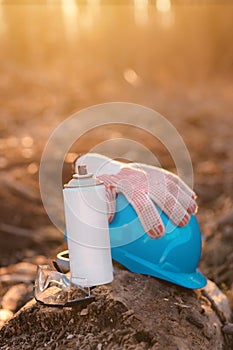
x,y
173,257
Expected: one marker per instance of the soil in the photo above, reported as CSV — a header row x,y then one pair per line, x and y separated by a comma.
x,y
178,63
133,312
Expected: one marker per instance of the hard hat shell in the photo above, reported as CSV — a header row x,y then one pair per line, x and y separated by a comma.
x,y
173,257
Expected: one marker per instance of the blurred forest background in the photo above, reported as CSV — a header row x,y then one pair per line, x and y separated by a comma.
x,y
57,57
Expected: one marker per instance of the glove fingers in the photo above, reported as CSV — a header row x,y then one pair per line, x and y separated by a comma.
x,y
160,175
187,202
171,206
147,213
182,185
166,190
159,180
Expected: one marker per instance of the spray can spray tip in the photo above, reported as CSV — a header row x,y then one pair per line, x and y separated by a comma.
x,y
82,169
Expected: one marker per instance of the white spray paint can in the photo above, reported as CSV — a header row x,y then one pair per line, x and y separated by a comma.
x,y
87,230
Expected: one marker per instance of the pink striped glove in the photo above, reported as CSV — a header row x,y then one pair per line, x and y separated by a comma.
x,y
143,186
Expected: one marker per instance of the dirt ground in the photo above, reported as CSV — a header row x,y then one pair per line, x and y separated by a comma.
x,y
133,312
179,63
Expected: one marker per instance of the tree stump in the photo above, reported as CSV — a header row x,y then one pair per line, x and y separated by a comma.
x,y
134,312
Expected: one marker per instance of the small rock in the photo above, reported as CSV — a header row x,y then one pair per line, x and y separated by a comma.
x,y
71,321
99,346
84,312
16,296
219,298
70,336
5,315
25,268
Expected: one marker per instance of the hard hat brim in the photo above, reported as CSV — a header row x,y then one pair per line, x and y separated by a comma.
x,y
135,264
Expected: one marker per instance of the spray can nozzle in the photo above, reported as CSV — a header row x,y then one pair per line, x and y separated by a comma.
x,y
82,169
83,173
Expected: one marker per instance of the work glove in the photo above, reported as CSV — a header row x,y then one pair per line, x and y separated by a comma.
x,y
145,186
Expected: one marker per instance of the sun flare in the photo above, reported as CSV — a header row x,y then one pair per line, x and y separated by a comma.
x,y
163,5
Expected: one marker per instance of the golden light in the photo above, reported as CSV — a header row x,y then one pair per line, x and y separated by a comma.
x,y
27,141
69,7
32,168
163,5
131,77
141,11
70,13
27,152
11,141
93,3
92,12
167,16
2,19
94,6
